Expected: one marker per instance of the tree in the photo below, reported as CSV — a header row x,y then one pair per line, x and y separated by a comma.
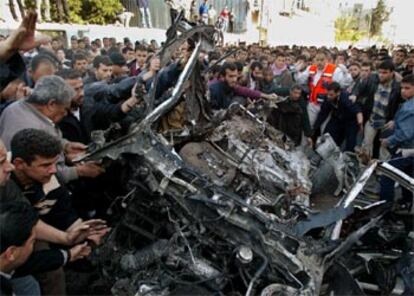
x,y
379,15
75,9
101,11
346,29
86,11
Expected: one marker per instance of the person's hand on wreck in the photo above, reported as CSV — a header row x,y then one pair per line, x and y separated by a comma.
x,y
133,101
97,237
90,169
83,230
269,96
79,252
74,150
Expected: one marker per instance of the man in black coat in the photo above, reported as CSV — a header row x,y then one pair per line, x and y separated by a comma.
x,y
70,125
345,117
292,118
107,103
365,89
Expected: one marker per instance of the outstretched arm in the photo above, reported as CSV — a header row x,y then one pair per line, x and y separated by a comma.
x,y
22,39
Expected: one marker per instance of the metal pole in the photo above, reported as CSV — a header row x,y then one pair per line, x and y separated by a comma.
x,y
261,35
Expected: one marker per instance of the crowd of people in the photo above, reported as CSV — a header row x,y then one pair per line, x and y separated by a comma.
x,y
54,98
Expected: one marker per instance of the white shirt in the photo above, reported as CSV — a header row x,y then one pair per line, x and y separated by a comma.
x,y
340,75
76,113
7,275
252,84
212,13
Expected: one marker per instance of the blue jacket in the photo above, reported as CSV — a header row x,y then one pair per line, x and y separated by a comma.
x,y
203,9
221,95
403,136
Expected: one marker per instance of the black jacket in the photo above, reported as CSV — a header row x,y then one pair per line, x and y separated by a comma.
x,y
102,104
292,119
366,93
54,208
6,288
73,130
41,261
90,79
11,69
272,88
167,79
354,88
11,192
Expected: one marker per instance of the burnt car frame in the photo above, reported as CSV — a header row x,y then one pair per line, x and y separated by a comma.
x,y
229,213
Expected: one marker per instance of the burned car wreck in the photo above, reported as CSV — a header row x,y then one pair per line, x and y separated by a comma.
x,y
222,206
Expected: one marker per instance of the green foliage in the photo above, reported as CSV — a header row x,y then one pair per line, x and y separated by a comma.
x,y
346,29
86,11
75,9
29,4
379,15
100,11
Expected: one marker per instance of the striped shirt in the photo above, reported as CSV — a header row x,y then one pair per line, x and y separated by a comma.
x,y
381,100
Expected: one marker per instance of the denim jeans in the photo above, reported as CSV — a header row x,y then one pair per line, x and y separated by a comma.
x,y
145,17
